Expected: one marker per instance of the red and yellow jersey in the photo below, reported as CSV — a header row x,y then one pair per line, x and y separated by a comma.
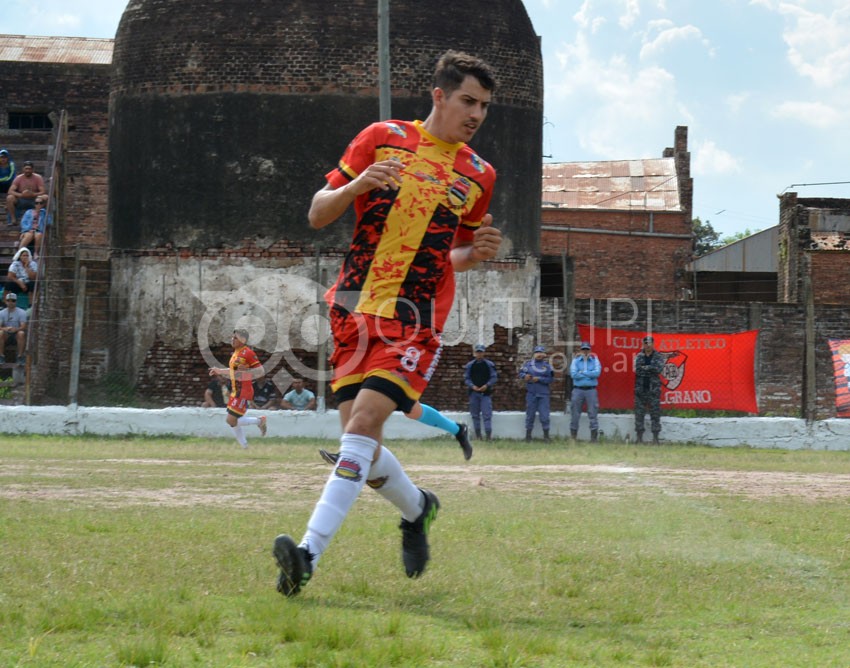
x,y
245,358
398,265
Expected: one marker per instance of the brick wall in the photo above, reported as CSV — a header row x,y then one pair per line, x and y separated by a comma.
x,y
616,265
177,377
779,365
265,101
82,91
830,276
315,48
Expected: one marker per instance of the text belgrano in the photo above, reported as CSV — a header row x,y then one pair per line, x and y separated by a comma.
x,y
687,397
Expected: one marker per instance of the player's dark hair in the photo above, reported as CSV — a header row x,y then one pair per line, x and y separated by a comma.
x,y
454,66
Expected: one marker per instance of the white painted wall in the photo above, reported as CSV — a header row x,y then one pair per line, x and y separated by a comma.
x,y
782,433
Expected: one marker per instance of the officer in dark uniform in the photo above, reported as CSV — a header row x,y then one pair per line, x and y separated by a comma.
x,y
479,376
648,366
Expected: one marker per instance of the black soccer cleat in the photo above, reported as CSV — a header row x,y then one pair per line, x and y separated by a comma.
x,y
462,437
414,537
330,457
296,566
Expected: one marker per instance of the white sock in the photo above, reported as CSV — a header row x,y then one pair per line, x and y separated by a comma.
x,y
240,436
340,492
247,420
389,480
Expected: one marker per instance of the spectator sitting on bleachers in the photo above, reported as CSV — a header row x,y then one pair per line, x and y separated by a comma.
x,y
22,273
23,191
265,394
33,224
217,393
7,172
13,326
299,398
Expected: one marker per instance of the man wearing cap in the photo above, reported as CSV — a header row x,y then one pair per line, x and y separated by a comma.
x,y
13,327
25,188
585,370
479,376
538,376
243,369
649,364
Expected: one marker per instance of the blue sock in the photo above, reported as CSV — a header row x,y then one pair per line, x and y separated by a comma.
x,y
434,418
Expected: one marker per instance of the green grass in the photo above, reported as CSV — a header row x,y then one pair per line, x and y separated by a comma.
x,y
156,552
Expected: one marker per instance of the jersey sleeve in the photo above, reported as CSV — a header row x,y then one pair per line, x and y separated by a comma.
x,y
486,181
359,154
251,359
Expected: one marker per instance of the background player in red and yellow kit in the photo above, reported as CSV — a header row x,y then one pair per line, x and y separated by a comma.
x,y
421,196
243,368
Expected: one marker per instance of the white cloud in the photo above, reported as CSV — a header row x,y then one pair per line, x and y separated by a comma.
x,y
632,11
618,111
66,21
736,100
818,43
815,114
710,159
585,20
667,35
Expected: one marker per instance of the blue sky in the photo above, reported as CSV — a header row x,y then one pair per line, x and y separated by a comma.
x,y
763,86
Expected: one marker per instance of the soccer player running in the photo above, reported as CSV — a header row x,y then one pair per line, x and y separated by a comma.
x,y
243,369
421,197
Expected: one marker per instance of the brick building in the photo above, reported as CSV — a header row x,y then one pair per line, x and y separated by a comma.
x,y
617,226
813,249
54,99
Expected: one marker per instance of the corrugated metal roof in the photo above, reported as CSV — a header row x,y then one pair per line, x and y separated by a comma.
x,y
649,185
756,252
33,49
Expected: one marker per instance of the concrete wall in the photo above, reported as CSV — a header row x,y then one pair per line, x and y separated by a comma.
x,y
781,433
184,309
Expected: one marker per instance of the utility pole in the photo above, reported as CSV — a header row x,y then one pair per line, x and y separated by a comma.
x,y
384,59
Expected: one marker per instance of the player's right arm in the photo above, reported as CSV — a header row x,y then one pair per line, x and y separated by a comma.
x,y
330,203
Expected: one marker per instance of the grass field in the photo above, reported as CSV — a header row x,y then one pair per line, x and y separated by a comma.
x,y
138,552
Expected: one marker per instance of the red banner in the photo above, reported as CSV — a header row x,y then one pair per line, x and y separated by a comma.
x,y
841,372
703,371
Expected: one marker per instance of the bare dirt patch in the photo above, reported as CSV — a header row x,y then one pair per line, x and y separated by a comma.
x,y
170,483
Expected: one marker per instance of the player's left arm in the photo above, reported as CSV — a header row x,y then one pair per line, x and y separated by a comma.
x,y
253,368
485,244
